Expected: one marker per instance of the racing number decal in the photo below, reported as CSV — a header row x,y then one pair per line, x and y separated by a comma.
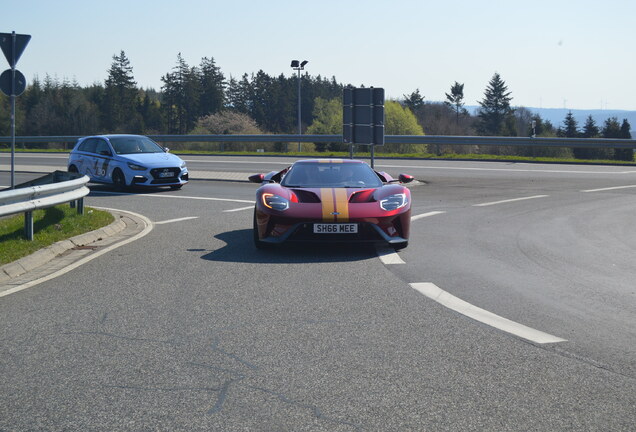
x,y
105,167
101,172
335,205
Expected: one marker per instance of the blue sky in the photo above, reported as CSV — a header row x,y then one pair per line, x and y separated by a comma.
x,y
551,54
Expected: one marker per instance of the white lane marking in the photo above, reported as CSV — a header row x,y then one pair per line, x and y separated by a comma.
x,y
509,200
238,209
149,226
502,169
609,188
176,220
448,300
389,256
175,196
423,215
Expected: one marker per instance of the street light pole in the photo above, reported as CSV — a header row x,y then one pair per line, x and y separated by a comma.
x,y
298,66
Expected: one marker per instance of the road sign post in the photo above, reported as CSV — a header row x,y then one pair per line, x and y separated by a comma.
x,y
12,82
363,118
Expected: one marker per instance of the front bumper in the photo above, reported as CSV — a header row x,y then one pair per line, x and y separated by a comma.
x,y
393,230
161,177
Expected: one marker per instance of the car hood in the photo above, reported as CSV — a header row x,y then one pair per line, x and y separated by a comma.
x,y
153,160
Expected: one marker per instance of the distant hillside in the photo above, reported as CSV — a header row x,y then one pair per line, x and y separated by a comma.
x,y
557,115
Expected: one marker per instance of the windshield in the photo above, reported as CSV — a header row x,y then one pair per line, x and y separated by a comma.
x,y
331,174
134,144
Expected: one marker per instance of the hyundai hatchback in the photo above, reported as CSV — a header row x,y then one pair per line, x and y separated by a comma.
x,y
127,161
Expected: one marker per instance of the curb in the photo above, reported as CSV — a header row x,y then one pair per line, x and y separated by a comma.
x,y
45,255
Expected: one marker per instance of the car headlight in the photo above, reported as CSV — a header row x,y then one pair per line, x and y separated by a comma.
x,y
136,167
275,202
183,165
394,202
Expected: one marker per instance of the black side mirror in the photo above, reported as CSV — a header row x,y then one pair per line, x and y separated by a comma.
x,y
405,178
257,178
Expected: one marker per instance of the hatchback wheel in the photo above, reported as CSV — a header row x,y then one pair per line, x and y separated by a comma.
x,y
119,181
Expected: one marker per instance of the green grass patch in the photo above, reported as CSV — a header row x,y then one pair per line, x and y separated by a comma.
x,y
49,226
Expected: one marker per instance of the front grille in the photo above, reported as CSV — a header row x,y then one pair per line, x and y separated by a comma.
x,y
162,174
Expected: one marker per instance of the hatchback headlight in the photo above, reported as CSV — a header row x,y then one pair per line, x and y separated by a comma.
x,y
183,165
275,202
394,202
136,167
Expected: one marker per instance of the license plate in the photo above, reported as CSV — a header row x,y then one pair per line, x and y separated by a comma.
x,y
166,174
323,228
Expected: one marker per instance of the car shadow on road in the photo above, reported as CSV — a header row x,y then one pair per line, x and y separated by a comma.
x,y
105,190
239,247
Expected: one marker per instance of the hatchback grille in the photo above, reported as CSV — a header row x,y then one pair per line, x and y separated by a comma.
x,y
165,173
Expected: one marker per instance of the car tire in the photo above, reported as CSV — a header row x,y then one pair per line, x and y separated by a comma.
x,y
119,180
73,169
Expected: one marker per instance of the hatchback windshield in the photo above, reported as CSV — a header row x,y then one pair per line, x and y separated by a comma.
x,y
134,144
331,174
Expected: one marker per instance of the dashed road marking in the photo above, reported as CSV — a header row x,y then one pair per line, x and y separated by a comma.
x,y
509,200
423,215
448,300
238,209
389,256
609,188
176,220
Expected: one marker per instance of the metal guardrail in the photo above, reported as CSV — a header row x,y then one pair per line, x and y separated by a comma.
x,y
53,189
388,139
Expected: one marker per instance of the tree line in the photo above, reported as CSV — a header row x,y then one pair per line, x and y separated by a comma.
x,y
201,99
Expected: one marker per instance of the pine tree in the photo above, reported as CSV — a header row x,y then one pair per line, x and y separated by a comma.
x,y
414,101
495,114
455,100
213,83
590,130
626,130
121,97
570,127
623,132
182,91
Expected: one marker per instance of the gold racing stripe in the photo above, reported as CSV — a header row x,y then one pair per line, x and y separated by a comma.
x,y
328,204
342,205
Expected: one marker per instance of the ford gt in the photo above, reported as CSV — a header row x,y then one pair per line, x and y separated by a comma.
x,y
331,200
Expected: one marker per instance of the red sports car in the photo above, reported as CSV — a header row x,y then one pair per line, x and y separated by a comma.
x,y
327,200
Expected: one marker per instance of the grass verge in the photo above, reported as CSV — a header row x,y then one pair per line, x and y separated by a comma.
x,y
49,226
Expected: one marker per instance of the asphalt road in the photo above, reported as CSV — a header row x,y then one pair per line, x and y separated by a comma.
x,y
191,328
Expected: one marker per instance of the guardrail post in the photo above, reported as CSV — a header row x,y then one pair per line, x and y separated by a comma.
x,y
80,206
28,225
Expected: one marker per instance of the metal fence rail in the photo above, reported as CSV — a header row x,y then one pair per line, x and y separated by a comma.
x,y
48,191
388,139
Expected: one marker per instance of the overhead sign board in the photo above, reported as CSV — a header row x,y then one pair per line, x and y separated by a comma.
x,y
363,116
12,51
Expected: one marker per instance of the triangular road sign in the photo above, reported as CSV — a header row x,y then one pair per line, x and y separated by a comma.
x,y
6,42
